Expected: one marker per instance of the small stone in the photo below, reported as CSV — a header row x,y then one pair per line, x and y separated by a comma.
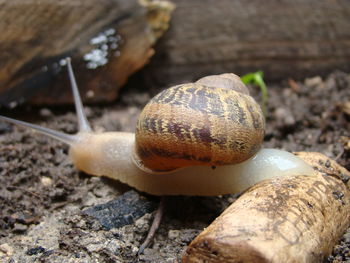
x,y
313,82
5,127
35,250
90,94
123,210
346,237
134,250
95,247
45,112
46,181
285,117
19,228
173,234
6,249
115,246
143,222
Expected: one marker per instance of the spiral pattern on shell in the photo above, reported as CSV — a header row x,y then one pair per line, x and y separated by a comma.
x,y
211,122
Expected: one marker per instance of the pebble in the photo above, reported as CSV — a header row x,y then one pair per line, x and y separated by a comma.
x,y
46,181
124,210
313,82
35,250
95,247
6,249
142,224
173,234
347,236
45,112
5,127
285,116
19,228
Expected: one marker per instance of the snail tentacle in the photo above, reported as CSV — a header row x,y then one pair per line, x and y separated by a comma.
x,y
83,123
69,139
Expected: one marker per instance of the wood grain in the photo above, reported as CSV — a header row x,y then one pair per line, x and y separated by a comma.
x,y
287,219
37,34
282,38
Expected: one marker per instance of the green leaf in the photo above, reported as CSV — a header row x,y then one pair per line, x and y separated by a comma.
x,y
257,79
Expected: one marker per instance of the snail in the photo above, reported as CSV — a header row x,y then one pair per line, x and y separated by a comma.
x,y
201,138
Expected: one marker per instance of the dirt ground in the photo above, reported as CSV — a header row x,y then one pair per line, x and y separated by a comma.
x,y
42,196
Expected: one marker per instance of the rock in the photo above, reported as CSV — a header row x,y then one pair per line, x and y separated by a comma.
x,y
6,249
46,181
124,210
313,82
284,117
19,228
35,250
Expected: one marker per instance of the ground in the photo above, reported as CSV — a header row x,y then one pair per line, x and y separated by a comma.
x,y
43,197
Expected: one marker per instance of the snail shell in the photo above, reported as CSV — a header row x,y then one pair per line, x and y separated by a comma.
x,y
211,122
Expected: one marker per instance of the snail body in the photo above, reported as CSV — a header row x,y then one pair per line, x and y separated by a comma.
x,y
174,149
96,155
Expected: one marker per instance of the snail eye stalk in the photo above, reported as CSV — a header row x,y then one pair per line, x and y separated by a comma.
x,y
61,136
83,124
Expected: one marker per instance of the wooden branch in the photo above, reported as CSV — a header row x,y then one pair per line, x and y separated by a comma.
x,y
37,34
288,219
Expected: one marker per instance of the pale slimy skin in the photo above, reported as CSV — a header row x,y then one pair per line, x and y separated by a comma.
x,y
110,154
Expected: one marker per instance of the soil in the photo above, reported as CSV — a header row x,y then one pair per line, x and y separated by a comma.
x,y
42,195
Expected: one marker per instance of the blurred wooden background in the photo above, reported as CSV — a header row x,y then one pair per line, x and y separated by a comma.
x,y
282,38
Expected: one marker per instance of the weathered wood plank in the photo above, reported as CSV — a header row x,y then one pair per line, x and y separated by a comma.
x,y
282,38
37,34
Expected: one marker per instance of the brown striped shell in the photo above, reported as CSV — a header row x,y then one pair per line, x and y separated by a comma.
x,y
211,122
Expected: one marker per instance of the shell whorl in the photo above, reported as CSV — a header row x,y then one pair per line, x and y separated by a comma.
x,y
211,122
